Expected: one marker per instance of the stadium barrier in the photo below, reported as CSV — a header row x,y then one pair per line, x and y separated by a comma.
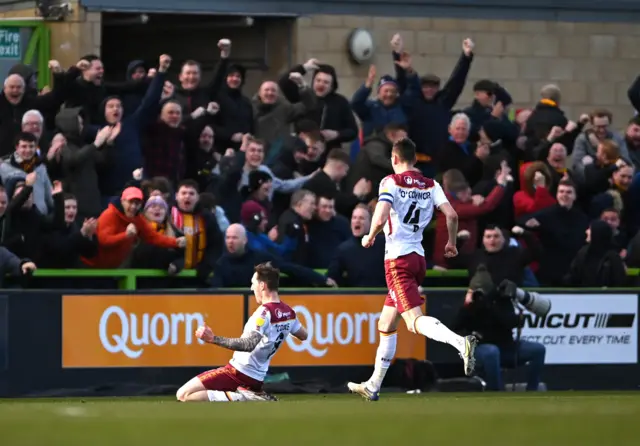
x,y
130,279
52,340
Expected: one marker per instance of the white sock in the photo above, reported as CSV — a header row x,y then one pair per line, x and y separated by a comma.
x,y
218,396
384,356
432,328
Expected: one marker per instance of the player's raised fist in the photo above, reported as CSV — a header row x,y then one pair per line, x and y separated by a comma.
x,y
165,63
367,241
450,250
205,333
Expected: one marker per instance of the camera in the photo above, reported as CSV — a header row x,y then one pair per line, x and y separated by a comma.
x,y
532,301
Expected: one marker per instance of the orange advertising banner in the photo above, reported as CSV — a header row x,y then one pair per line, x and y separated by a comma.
x,y
146,330
343,331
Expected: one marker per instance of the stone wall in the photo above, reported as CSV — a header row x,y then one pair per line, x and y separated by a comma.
x,y
593,63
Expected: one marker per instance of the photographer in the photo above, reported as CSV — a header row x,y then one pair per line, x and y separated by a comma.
x,y
489,314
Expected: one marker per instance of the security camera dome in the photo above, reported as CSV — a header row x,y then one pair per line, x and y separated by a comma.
x,y
360,45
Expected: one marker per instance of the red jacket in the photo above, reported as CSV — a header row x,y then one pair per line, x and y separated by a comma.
x,y
114,246
468,214
529,199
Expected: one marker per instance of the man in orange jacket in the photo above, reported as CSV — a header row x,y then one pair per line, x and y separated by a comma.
x,y
119,226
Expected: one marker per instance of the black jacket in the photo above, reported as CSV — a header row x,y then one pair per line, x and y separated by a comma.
x,y
491,318
235,271
430,138
561,234
64,244
355,266
80,164
293,226
332,112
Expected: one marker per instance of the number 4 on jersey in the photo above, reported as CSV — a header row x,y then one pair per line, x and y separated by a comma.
x,y
413,216
277,344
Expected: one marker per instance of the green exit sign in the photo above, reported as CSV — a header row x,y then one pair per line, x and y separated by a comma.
x,y
10,43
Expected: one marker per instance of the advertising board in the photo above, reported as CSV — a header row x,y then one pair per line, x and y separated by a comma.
x,y
587,329
343,331
146,330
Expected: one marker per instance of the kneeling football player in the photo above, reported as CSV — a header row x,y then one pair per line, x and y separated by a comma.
x,y
265,331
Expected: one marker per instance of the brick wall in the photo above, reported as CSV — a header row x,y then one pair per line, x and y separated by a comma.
x,y
593,63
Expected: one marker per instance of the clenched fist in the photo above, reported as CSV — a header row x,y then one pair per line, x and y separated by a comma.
x,y
297,79
224,45
213,108
28,267
467,47
311,64
83,65
165,63
55,66
205,333
131,230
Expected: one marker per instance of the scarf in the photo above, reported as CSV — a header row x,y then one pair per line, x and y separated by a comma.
x,y
194,229
158,227
27,165
549,102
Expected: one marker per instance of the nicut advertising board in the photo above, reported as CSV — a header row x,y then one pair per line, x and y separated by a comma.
x,y
587,329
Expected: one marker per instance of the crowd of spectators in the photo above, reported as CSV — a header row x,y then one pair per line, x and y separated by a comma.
x,y
174,174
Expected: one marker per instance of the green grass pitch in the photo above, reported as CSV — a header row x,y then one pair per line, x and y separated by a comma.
x,y
546,419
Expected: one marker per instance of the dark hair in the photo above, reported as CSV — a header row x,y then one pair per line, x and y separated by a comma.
x,y
190,184
338,155
406,150
67,196
90,57
163,184
635,120
25,136
307,126
494,227
601,113
190,62
325,197
567,183
269,275
207,201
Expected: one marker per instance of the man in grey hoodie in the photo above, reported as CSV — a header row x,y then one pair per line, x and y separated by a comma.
x,y
24,161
